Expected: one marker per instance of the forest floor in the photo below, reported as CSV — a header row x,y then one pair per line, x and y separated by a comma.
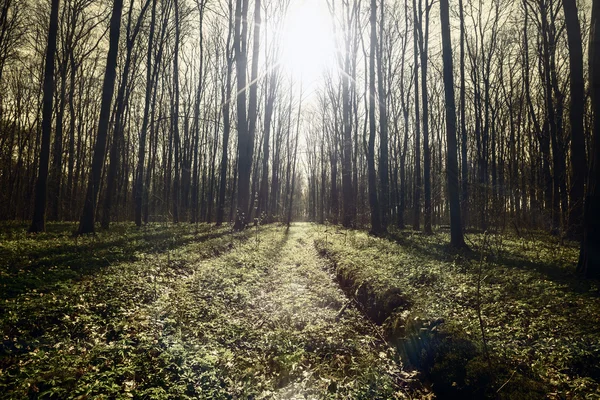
x,y
195,311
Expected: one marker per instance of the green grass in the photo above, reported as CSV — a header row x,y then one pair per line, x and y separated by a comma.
x,y
540,319
190,311
175,312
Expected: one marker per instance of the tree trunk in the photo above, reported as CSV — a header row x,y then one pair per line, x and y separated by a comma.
x,y
456,234
175,117
226,95
578,162
589,256
244,142
384,180
373,201
423,46
38,224
463,125
417,186
263,200
139,181
86,223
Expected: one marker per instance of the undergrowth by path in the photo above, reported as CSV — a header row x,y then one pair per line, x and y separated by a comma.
x,y
77,333
41,261
211,315
541,322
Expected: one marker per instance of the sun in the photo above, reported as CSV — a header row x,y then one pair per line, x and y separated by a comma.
x,y
308,43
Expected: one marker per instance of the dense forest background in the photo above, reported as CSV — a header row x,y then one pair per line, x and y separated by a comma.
x,y
183,110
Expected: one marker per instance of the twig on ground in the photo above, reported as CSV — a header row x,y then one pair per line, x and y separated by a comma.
x,y
505,383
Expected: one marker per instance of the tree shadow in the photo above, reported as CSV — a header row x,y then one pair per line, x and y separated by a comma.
x,y
48,263
433,247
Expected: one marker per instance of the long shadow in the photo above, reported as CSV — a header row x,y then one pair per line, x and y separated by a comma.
x,y
504,259
43,268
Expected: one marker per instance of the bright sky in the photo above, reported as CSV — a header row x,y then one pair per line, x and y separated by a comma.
x,y
308,44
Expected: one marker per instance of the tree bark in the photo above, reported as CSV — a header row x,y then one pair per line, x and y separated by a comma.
x,y
373,201
589,256
86,222
384,181
463,125
226,94
456,234
417,185
244,148
576,112
139,181
38,224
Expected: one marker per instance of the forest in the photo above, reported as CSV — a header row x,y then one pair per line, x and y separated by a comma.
x,y
300,199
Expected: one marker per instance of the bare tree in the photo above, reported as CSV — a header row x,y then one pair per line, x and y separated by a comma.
x,y
589,256
38,224
86,222
578,162
373,201
456,234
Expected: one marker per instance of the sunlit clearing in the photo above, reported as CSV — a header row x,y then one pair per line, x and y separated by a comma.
x,y
308,45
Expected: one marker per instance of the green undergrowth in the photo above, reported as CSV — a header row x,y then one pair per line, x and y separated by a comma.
x,y
70,321
540,321
204,314
41,261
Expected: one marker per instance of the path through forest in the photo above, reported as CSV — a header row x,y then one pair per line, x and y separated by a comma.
x,y
214,314
279,323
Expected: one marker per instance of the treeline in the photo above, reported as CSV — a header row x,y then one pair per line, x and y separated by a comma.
x,y
166,147
179,109
523,116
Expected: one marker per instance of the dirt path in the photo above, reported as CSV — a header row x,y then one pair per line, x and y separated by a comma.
x,y
264,321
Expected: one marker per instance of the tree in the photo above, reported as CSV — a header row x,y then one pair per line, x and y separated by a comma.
x,y
175,115
38,224
589,256
226,99
139,181
456,234
384,180
244,147
578,163
349,206
423,50
417,189
376,227
86,222
252,113
131,33
463,126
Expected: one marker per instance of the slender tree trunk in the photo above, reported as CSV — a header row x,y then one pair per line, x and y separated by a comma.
x,y
38,224
244,142
86,223
417,186
589,257
226,95
264,185
578,162
139,181
373,201
463,125
423,46
456,234
384,180
293,172
175,117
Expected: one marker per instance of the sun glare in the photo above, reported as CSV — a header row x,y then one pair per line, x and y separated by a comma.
x,y
308,41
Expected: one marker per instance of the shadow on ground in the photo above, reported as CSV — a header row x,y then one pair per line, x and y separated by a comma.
x,y
56,257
